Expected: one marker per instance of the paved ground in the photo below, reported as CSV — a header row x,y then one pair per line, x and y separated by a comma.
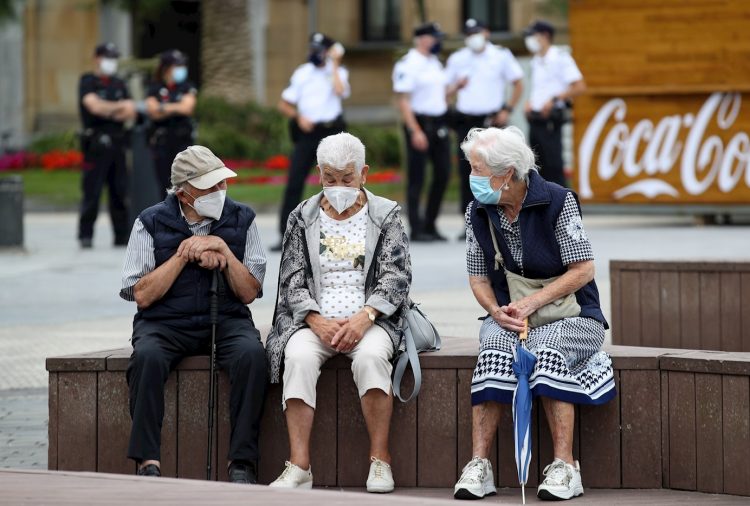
x,y
29,488
56,299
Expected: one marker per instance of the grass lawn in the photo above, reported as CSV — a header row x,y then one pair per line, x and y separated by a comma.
x,y
61,190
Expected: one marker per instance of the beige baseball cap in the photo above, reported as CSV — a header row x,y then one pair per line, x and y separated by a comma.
x,y
200,167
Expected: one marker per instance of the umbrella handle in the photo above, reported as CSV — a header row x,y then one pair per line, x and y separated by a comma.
x,y
525,332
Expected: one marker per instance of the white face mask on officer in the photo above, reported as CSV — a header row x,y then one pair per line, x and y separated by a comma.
x,y
210,205
533,44
108,66
475,42
341,198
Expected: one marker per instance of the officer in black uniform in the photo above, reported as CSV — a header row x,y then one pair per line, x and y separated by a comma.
x,y
170,104
105,105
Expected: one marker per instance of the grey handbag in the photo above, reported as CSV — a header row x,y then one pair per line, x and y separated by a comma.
x,y
420,335
520,287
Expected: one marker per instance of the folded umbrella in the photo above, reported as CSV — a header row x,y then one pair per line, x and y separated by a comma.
x,y
523,366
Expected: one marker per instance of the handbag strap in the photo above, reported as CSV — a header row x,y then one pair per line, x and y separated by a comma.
x,y
409,357
498,256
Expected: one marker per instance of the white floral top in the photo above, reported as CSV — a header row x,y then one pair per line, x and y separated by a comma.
x,y
574,244
342,263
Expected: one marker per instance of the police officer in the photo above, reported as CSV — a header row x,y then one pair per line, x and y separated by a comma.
x,y
105,105
421,85
312,102
170,104
481,73
555,80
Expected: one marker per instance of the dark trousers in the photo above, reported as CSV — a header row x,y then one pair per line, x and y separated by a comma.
x,y
105,164
464,123
438,153
545,138
164,153
158,348
303,159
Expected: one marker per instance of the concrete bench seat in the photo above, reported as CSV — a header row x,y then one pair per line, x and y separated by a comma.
x,y
681,420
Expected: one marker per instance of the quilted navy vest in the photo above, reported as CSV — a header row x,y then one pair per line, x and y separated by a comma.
x,y
541,252
187,301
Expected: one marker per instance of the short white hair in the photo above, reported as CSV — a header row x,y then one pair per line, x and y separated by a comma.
x,y
341,150
502,149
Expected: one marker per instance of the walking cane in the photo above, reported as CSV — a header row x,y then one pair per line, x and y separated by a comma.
x,y
214,290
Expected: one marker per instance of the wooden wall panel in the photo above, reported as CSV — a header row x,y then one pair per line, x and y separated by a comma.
x,y
192,429
690,311
736,431
710,311
76,418
730,316
640,405
54,421
630,307
708,426
437,422
403,438
682,457
669,309
744,314
324,442
353,441
113,422
600,451
650,300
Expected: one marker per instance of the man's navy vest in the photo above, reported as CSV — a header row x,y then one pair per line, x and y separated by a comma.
x,y
187,301
541,252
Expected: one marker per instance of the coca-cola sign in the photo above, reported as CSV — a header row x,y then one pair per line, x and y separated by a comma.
x,y
671,157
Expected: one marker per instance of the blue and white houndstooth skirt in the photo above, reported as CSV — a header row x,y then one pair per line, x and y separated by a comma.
x,y
570,365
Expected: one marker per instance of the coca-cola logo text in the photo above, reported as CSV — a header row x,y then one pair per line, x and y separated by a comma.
x,y
703,161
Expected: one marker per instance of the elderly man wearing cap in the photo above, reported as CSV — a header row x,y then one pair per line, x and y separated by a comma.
x,y
105,104
173,248
170,103
421,84
481,73
555,80
312,102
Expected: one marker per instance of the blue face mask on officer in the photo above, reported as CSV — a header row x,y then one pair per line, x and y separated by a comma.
x,y
179,74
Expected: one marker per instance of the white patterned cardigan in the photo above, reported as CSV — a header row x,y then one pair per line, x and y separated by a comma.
x,y
387,264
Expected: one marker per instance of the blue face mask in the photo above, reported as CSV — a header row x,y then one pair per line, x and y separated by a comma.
x,y
482,190
436,47
179,74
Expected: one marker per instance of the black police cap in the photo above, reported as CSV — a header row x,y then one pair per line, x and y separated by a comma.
x,y
472,26
173,57
321,41
107,50
540,26
428,29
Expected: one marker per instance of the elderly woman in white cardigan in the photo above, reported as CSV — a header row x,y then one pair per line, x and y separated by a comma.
x,y
345,276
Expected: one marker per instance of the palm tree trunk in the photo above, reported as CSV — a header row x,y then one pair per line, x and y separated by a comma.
x,y
226,56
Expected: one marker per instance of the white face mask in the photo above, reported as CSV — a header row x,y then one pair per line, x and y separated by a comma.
x,y
108,66
475,42
533,44
341,197
211,205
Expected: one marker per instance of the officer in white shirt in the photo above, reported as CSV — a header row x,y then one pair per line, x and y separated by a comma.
x,y
312,102
555,80
421,85
481,72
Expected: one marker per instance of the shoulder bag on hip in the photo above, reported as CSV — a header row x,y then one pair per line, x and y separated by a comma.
x,y
520,287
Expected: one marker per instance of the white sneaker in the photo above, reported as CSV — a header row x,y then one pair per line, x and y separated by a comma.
x,y
563,481
380,477
293,477
477,480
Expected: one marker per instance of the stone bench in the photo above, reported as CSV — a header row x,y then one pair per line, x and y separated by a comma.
x,y
680,420
685,304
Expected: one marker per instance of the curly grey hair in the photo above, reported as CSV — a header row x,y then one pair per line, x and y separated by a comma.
x,y
502,149
341,150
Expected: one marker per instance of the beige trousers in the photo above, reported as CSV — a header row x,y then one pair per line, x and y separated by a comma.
x,y
305,354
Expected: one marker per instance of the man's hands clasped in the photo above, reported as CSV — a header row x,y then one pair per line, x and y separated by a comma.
x,y
209,251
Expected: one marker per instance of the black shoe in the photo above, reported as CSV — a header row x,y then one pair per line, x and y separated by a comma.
x,y
149,470
421,237
87,243
242,471
436,236
276,248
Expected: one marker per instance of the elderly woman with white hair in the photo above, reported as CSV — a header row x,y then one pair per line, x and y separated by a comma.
x,y
345,277
521,224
